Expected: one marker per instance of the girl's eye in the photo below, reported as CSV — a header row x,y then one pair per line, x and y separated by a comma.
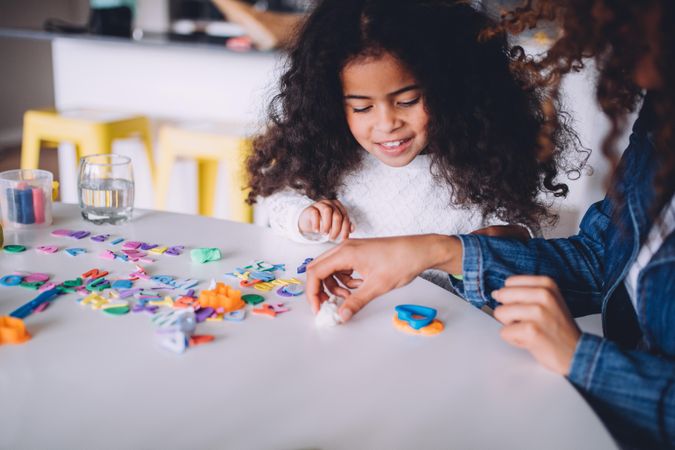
x,y
409,102
361,110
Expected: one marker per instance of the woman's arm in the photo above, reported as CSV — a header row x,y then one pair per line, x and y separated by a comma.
x,y
575,263
485,263
382,264
633,387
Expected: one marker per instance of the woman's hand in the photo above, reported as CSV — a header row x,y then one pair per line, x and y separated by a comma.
x,y
326,217
536,318
381,264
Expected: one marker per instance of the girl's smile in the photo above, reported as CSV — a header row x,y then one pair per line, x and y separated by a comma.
x,y
396,147
385,108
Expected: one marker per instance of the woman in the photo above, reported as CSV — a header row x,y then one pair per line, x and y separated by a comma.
x,y
623,259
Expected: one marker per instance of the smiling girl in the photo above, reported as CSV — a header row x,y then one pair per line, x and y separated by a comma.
x,y
394,118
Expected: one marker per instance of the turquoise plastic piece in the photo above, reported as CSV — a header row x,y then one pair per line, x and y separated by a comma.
x,y
417,316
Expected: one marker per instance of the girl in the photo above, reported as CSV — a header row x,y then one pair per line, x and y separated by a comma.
x,y
394,118
623,259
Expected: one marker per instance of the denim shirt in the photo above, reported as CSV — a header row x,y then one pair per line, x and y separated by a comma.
x,y
628,377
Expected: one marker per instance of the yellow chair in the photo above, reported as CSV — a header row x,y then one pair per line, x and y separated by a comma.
x,y
208,148
91,132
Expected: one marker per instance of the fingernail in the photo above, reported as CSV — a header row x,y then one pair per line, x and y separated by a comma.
x,y
346,314
494,293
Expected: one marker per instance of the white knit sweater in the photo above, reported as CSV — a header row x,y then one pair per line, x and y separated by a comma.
x,y
384,201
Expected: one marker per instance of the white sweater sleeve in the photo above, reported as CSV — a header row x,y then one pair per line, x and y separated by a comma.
x,y
284,209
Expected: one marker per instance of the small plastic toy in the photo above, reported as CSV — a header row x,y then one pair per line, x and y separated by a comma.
x,y
417,316
416,319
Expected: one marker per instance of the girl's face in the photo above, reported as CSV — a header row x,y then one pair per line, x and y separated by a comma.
x,y
385,109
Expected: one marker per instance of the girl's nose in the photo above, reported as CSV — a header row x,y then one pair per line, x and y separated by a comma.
x,y
387,120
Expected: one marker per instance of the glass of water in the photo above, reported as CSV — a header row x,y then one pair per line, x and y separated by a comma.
x,y
106,188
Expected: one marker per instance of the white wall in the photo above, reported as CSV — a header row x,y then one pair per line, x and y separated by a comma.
x,y
26,76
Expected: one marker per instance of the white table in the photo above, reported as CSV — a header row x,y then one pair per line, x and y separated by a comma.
x,y
90,380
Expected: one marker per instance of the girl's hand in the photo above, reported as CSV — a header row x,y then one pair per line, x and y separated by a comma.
x,y
326,217
536,318
383,264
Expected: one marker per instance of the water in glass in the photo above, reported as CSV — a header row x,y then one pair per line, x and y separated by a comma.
x,y
106,189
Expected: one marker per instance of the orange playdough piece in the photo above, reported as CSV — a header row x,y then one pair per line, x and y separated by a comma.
x,y
433,328
12,331
222,296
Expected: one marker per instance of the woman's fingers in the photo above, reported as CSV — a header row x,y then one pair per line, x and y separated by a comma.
x,y
324,266
349,281
334,288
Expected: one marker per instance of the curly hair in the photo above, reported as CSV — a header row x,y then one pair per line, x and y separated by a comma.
x,y
484,132
616,34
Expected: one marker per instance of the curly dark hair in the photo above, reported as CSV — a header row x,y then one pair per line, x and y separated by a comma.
x,y
617,34
484,127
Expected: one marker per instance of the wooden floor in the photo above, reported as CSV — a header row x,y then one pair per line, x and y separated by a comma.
x,y
10,158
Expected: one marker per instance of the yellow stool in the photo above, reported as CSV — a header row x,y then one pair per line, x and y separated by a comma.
x,y
208,148
91,132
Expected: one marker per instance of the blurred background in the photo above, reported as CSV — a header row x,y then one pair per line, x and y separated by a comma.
x,y
179,85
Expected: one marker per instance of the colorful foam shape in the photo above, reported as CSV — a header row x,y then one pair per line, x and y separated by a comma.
x,y
79,234
11,280
36,277
265,310
235,316
26,309
117,310
302,268
253,299
14,248
47,249
62,233
75,251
